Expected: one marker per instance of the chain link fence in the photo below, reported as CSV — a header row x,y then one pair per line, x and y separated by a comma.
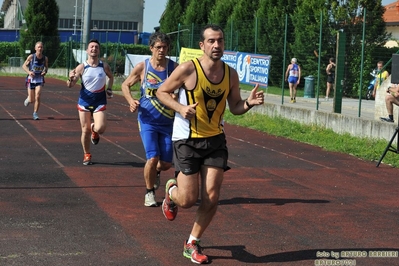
x,y
312,45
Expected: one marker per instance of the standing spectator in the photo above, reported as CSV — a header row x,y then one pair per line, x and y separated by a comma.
x,y
200,153
92,101
381,76
330,76
155,119
35,66
293,76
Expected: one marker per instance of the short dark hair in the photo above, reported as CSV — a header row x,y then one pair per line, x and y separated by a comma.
x,y
159,37
94,40
332,59
210,26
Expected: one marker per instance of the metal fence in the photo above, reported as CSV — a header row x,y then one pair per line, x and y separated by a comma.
x,y
313,47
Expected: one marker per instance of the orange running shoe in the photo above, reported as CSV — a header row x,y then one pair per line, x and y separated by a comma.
x,y
87,159
95,137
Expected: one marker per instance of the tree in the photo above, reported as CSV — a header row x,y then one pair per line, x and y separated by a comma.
x,y
306,27
170,22
1,19
41,18
271,22
197,12
173,15
221,11
243,21
349,17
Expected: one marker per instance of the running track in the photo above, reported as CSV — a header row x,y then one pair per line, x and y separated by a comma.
x,y
282,203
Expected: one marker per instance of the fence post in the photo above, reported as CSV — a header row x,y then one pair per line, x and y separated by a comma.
x,y
231,36
192,36
361,64
319,63
116,51
339,71
284,58
178,41
256,33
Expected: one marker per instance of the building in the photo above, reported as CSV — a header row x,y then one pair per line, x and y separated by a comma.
x,y
108,18
391,18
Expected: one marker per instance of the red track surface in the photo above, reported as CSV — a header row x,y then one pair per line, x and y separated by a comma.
x,y
282,203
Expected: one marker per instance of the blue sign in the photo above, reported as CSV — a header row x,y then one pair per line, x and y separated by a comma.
x,y
251,68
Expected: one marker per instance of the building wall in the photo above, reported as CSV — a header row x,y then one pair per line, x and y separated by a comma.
x,y
394,30
115,10
11,16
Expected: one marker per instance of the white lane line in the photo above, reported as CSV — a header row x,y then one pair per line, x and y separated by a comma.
x,y
33,137
120,147
282,153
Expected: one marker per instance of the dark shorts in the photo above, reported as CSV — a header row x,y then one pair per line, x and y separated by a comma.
x,y
191,154
330,79
33,86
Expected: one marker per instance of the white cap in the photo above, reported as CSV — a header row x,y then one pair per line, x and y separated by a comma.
x,y
293,60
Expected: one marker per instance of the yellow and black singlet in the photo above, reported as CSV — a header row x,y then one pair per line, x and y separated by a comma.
x,y
211,99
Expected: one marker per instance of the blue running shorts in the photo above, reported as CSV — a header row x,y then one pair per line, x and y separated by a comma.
x,y
157,141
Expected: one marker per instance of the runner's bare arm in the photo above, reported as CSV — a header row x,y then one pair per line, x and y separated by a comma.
x,y
74,75
237,105
179,78
110,75
135,76
26,64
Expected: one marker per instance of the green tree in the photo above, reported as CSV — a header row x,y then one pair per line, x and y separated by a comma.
x,y
1,19
242,20
271,16
306,27
41,25
173,15
349,17
170,23
197,12
221,13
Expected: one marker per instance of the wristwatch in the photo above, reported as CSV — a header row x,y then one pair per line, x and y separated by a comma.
x,y
247,103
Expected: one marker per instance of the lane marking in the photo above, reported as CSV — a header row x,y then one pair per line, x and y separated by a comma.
x,y
120,147
33,137
282,153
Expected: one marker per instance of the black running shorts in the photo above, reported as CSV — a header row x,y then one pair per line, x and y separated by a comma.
x,y
191,154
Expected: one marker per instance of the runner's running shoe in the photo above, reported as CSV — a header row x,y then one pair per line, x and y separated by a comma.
x,y
26,102
193,251
149,200
95,137
87,159
169,208
35,116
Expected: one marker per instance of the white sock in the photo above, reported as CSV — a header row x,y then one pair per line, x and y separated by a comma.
x,y
170,191
191,238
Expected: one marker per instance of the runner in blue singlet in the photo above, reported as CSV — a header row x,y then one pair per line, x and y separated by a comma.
x,y
293,76
35,66
155,119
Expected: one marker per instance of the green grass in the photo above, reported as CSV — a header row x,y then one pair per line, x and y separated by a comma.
x,y
363,148
274,90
